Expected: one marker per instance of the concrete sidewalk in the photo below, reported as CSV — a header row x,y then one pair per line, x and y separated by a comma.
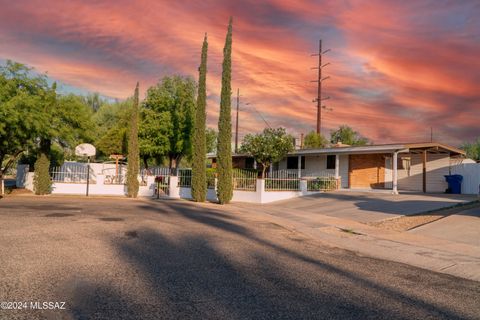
x,y
441,255
461,227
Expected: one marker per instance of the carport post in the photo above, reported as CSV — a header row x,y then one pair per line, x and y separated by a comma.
x,y
337,166
299,166
394,172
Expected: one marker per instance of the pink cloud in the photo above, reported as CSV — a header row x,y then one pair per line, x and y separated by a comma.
x,y
392,74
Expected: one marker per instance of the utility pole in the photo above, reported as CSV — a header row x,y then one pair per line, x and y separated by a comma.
x,y
431,134
319,99
236,124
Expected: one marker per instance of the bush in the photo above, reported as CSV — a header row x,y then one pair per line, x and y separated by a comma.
x,y
322,184
211,174
42,183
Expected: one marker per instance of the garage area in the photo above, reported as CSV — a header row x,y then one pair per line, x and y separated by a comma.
x,y
367,171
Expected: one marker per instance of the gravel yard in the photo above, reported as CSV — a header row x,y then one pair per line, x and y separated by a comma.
x,y
406,223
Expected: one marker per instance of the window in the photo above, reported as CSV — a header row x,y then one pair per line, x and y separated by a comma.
x,y
292,163
404,163
249,163
331,161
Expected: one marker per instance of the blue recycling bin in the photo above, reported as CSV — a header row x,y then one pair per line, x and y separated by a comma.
x,y
454,183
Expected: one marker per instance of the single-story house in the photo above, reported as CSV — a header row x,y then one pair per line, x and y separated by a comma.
x,y
405,166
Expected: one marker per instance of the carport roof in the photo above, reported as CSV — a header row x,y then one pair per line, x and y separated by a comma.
x,y
384,148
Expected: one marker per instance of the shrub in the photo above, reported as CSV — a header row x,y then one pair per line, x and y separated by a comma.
x,y
42,183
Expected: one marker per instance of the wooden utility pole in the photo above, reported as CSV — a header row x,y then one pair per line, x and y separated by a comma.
x,y
424,171
319,85
236,123
319,89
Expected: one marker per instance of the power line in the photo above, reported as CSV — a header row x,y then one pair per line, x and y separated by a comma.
x,y
261,116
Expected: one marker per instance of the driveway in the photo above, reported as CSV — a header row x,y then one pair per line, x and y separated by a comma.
x,y
136,259
362,206
460,227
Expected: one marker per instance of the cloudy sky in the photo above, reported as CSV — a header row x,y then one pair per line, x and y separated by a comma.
x,y
398,68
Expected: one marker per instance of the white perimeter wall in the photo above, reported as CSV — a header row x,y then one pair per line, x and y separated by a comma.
x,y
471,177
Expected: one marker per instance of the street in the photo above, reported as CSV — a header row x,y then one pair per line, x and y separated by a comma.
x,y
109,258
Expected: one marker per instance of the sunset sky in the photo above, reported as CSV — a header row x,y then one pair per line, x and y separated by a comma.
x,y
397,68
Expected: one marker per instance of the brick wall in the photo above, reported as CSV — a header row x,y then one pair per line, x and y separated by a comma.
x,y
367,171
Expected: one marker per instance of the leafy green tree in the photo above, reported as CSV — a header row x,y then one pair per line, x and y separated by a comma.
x,y
111,127
347,135
71,122
175,96
199,174
22,101
133,151
153,135
67,122
314,140
211,138
42,183
268,147
472,149
224,143
94,101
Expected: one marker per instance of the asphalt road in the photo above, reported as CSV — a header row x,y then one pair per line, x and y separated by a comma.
x,y
130,259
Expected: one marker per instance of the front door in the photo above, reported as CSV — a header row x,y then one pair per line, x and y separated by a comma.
x,y
367,171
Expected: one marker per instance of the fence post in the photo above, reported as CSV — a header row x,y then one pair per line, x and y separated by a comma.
x,y
303,186
151,184
260,190
173,189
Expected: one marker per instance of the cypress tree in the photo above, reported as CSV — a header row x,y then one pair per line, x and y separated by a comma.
x,y
133,151
199,174
42,183
224,143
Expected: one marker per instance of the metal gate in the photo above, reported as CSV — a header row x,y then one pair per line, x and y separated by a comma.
x,y
162,179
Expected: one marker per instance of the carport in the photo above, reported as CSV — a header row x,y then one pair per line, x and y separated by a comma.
x,y
413,166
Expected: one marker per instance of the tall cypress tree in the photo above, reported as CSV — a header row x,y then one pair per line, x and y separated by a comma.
x,y
199,174
42,184
133,151
224,142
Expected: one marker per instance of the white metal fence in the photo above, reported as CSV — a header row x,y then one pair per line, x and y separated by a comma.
x,y
184,177
162,179
72,174
282,180
245,179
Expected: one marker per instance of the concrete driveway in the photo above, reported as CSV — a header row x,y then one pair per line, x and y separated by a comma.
x,y
363,206
461,227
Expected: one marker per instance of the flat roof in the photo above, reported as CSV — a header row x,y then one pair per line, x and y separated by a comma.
x,y
384,148
434,147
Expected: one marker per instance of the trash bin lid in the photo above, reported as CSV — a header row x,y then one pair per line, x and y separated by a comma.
x,y
457,177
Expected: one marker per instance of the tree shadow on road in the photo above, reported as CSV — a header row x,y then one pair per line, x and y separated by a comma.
x,y
193,276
